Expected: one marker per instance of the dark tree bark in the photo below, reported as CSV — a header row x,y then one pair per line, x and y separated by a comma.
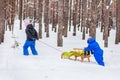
x,y
46,17
102,17
117,39
60,23
12,14
2,20
93,19
20,13
40,17
84,6
55,16
70,14
106,28
66,10
79,14
74,16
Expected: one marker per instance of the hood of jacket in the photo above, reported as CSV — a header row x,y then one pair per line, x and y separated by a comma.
x,y
30,26
91,40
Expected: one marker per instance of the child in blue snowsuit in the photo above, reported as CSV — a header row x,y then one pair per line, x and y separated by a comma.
x,y
96,50
32,36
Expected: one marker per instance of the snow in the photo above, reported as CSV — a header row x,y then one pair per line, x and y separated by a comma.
x,y
48,65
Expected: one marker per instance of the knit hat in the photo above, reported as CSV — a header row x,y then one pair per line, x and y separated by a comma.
x,y
27,23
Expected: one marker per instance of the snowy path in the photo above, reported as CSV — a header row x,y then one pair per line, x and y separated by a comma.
x,y
48,66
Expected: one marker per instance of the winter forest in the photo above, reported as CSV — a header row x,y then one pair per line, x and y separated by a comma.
x,y
62,26
64,16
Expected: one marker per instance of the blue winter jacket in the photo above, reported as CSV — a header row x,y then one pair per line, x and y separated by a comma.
x,y
97,51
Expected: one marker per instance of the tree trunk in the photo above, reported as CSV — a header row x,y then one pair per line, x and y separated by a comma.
x,y
106,18
12,14
102,17
55,16
79,14
84,6
93,19
60,23
2,20
40,17
70,14
117,39
46,17
74,16
66,10
20,13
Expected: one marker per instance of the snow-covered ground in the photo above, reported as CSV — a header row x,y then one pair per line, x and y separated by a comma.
x,y
48,65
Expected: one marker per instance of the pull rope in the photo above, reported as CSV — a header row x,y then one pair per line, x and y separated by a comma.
x,y
50,46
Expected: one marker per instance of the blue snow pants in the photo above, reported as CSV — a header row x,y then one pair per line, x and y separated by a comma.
x,y
99,58
30,44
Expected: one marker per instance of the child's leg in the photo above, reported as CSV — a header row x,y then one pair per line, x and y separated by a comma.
x,y
85,53
91,51
32,46
88,52
99,59
25,48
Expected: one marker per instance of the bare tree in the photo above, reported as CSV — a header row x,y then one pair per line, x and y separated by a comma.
x,y
46,17
55,15
70,14
40,7
20,13
84,6
12,13
106,18
66,10
60,23
2,20
93,19
79,14
117,39
75,4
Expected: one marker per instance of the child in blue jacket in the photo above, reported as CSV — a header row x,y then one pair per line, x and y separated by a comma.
x,y
96,50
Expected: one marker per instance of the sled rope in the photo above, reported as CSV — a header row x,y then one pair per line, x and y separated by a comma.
x,y
49,46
